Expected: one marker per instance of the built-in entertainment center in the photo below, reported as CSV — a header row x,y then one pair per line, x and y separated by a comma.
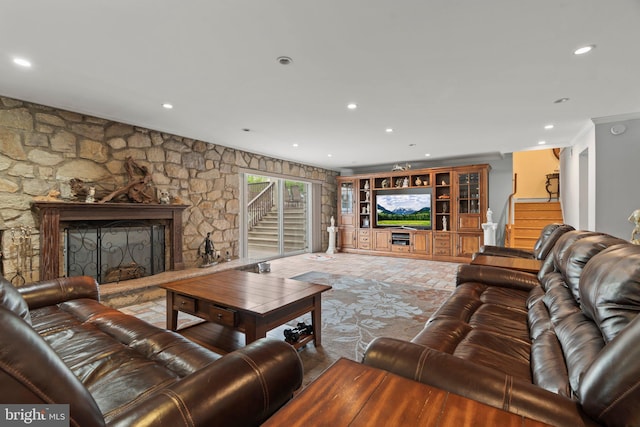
x,y
433,213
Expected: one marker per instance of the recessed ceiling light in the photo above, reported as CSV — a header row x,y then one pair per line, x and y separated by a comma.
x,y
295,145
352,106
167,106
427,155
584,49
388,130
329,155
549,126
542,142
560,101
22,62
284,60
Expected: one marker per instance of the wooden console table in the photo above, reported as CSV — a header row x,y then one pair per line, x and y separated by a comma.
x,y
520,264
353,394
53,213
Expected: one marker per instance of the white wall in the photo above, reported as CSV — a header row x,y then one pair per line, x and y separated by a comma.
x,y
617,177
571,186
612,180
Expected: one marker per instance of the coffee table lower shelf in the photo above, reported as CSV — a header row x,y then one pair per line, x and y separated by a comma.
x,y
222,340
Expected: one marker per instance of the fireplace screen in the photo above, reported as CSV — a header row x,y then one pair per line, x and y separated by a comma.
x,y
114,251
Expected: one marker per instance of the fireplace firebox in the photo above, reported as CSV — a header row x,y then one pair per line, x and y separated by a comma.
x,y
114,251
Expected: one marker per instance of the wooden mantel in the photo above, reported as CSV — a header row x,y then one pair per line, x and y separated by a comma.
x,y
53,213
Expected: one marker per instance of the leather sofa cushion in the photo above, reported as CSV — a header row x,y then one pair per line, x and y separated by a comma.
x,y
581,342
547,364
120,359
610,289
486,324
548,238
11,299
609,390
578,255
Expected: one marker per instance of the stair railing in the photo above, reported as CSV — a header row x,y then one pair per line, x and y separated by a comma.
x,y
508,228
260,204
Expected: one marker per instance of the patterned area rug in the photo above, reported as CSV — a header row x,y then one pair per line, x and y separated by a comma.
x,y
357,310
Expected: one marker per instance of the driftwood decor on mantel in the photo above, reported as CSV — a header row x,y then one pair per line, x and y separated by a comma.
x,y
139,187
138,190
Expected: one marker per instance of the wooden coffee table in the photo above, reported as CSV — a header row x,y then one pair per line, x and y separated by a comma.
x,y
519,264
242,301
353,394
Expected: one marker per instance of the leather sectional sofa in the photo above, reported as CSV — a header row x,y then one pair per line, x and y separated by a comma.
x,y
562,347
58,344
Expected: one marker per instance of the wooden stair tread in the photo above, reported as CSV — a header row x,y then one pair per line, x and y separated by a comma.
x,y
529,219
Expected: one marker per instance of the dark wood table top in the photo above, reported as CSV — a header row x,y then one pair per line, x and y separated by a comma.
x,y
259,294
353,394
521,264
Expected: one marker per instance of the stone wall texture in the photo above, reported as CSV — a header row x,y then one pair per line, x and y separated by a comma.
x,y
42,148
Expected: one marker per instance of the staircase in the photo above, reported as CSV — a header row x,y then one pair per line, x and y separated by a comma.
x,y
529,219
264,235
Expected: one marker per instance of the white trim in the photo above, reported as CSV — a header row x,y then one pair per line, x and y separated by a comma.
x,y
616,118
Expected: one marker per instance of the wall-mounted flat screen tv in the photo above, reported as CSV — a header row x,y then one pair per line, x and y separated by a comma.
x,y
404,207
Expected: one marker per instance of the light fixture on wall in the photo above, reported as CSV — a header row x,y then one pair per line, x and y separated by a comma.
x,y
618,129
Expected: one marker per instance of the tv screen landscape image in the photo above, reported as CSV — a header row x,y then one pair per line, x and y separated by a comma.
x,y
404,209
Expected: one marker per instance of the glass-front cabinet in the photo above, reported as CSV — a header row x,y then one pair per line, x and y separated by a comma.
x,y
347,202
469,192
347,214
469,201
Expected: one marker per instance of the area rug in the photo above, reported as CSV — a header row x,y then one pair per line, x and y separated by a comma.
x,y
357,310
320,257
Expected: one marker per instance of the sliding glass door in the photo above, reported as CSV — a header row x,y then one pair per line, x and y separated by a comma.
x,y
276,218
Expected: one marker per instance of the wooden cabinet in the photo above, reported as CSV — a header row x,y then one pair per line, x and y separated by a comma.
x,y
469,203
467,244
422,242
442,244
364,239
382,240
347,214
458,204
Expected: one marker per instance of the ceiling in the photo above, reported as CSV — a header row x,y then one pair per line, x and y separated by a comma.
x,y
451,77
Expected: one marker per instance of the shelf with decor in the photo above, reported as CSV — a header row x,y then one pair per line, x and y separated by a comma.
x,y
443,202
364,203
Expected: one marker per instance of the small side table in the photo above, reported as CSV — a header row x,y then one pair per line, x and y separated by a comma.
x,y
553,185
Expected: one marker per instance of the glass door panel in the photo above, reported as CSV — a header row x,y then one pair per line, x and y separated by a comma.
x,y
295,216
277,216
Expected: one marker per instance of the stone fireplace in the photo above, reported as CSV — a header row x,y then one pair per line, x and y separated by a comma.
x,y
110,241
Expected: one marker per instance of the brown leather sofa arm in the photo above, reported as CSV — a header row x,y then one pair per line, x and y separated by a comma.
x,y
477,382
55,291
496,276
505,252
31,373
242,388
